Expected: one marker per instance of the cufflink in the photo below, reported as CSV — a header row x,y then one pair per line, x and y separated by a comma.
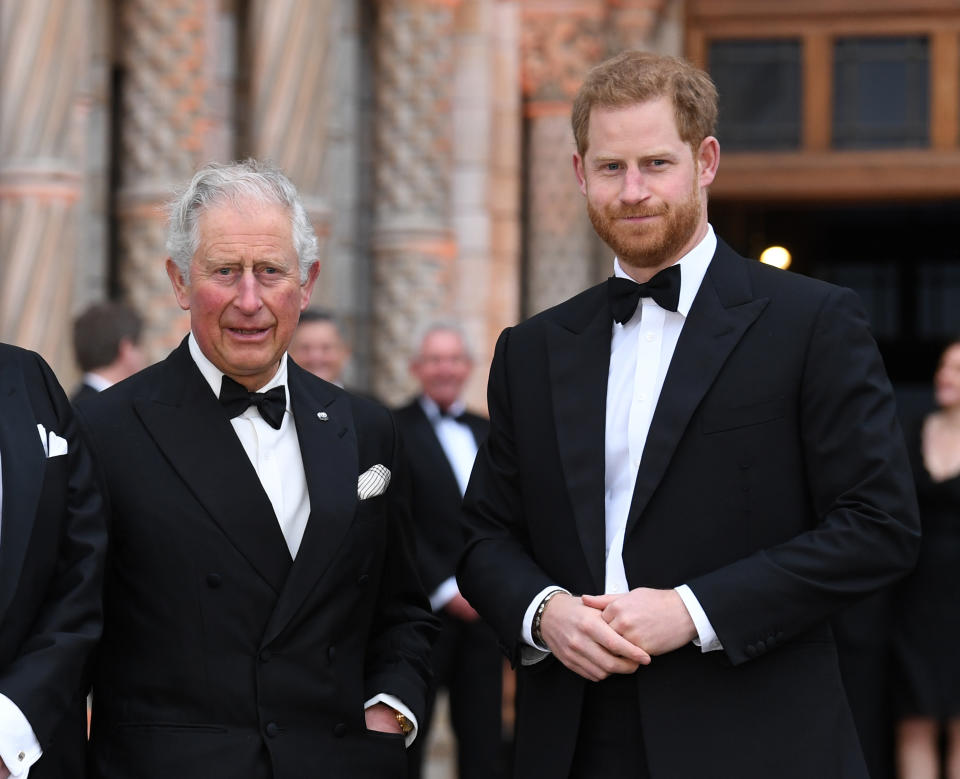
x,y
22,756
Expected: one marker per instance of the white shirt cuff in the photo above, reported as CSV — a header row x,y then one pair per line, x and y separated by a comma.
x,y
19,747
445,593
531,654
394,703
706,636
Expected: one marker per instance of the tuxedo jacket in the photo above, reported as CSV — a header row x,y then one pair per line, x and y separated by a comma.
x,y
83,393
435,494
221,656
773,482
52,547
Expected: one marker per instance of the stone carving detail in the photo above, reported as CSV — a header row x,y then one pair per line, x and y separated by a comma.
x,y
42,125
414,74
558,48
164,91
165,134
413,246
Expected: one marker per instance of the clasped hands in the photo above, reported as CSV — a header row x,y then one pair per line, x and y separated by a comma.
x,y
598,635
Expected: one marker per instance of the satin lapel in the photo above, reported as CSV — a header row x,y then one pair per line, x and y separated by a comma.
x,y
720,315
192,430
330,461
23,468
579,356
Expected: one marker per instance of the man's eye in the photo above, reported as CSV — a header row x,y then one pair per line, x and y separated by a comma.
x,y
224,271
612,166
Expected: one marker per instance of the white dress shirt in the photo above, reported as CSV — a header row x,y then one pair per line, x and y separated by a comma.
x,y
640,354
276,457
19,747
460,448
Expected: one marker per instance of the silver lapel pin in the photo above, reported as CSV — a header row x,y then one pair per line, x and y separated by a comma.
x,y
322,416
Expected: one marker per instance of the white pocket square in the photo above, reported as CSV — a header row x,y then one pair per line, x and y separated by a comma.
x,y
53,445
373,481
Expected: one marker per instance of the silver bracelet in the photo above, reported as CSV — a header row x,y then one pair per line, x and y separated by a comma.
x,y
538,615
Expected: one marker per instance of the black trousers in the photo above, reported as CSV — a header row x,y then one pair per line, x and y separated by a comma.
x,y
467,662
610,739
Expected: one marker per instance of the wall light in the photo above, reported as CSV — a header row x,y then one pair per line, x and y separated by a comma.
x,y
776,256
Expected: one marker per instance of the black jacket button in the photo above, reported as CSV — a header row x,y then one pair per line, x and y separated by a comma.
x,y
214,580
340,730
272,730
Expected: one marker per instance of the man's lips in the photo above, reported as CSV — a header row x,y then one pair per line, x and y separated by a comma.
x,y
247,331
637,217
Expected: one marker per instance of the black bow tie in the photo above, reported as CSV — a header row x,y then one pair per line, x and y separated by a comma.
x,y
441,414
271,404
625,294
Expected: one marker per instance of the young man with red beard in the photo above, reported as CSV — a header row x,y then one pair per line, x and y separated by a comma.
x,y
690,468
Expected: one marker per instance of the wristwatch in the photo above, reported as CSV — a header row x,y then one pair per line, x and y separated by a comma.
x,y
405,725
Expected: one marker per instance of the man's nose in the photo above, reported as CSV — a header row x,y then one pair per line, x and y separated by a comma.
x,y
634,187
248,292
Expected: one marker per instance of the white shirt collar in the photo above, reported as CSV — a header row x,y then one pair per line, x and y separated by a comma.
x,y
214,375
693,267
96,381
432,410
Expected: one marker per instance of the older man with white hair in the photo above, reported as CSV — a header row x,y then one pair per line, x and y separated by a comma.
x,y
263,617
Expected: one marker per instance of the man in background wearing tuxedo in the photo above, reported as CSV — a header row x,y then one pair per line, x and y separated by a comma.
x,y
106,343
440,440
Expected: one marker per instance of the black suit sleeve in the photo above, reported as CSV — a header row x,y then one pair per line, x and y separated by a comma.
x,y
497,547
403,628
858,478
63,570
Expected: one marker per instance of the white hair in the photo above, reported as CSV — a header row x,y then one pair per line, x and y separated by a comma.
x,y
217,184
439,326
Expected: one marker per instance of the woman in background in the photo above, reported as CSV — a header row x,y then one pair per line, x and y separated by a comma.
x,y
927,642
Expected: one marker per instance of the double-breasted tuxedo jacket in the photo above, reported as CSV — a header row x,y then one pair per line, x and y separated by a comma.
x,y
221,656
52,545
773,482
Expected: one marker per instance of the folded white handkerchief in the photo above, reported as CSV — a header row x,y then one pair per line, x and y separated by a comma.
x,y
53,445
373,481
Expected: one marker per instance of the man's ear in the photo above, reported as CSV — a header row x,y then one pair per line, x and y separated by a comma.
x,y
580,172
306,289
708,160
180,287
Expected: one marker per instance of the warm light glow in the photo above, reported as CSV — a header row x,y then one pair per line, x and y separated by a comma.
x,y
776,256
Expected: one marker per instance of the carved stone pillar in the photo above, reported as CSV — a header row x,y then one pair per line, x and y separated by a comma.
x,y
560,43
290,95
42,140
413,245
169,125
